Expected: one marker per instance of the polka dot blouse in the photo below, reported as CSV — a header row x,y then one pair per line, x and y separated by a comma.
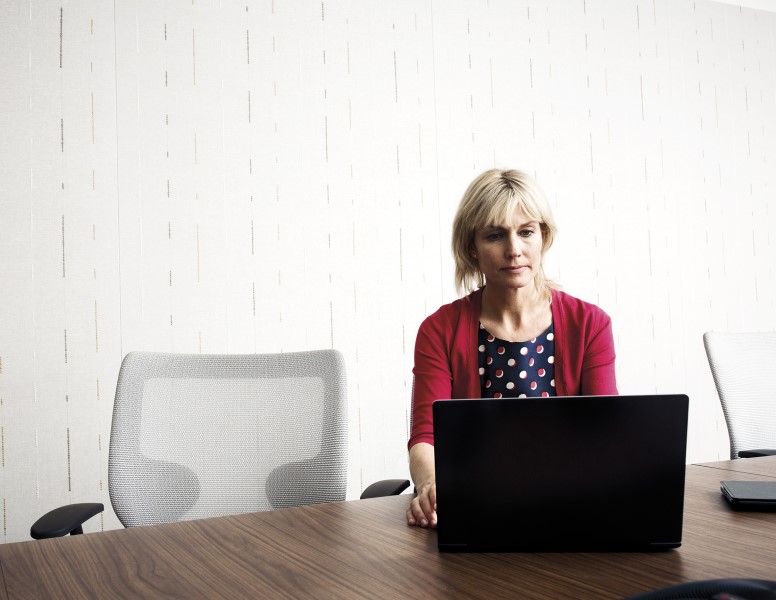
x,y
517,369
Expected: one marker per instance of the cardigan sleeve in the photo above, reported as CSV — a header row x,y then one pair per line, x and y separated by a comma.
x,y
598,375
432,376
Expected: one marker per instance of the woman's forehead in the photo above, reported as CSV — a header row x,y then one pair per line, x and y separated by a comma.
x,y
516,217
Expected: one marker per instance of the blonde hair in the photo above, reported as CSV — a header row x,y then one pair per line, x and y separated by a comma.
x,y
491,199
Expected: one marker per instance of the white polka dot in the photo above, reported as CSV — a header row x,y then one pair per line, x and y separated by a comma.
x,y
550,337
522,396
552,382
511,362
523,374
510,385
550,360
523,350
482,371
481,348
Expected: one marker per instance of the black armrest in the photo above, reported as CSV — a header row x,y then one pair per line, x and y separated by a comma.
x,y
64,520
386,487
756,453
713,588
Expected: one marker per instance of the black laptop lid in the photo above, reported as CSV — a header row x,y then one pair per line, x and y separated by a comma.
x,y
750,495
594,473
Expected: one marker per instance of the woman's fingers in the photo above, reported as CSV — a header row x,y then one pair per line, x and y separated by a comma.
x,y
422,510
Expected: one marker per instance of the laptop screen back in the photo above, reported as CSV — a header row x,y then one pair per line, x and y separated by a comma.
x,y
566,473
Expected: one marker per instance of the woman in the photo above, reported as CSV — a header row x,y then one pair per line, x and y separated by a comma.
x,y
516,335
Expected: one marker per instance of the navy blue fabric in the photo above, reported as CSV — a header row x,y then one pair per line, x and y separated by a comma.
x,y
517,369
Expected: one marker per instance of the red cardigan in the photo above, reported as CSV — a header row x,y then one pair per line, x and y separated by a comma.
x,y
446,355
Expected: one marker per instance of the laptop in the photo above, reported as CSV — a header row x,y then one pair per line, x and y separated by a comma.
x,y
750,495
585,473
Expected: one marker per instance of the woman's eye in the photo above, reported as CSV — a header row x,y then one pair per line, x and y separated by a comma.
x,y
526,232
492,237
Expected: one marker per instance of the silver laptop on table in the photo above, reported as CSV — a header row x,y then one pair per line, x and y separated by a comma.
x,y
586,473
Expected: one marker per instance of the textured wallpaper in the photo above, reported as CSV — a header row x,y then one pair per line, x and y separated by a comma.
x,y
203,176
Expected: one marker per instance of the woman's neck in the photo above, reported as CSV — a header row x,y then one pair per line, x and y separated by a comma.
x,y
515,315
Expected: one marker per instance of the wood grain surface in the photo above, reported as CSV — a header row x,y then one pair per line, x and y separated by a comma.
x,y
364,549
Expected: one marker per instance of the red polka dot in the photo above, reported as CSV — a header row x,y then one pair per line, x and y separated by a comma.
x,y
542,372
489,360
539,349
533,385
491,337
497,395
531,362
499,373
545,394
501,350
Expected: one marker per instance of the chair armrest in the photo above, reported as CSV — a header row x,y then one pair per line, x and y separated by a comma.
x,y
386,487
65,519
756,453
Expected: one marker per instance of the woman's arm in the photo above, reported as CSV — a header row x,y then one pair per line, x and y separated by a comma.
x,y
433,380
422,510
598,371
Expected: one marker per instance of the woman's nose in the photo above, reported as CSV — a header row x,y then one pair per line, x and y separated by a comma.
x,y
514,247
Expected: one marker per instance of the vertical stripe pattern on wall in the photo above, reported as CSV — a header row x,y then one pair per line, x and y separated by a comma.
x,y
273,176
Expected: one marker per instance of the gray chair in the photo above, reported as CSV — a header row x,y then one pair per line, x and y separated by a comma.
x,y
744,369
196,436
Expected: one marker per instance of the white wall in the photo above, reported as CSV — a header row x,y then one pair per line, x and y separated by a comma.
x,y
220,177
757,4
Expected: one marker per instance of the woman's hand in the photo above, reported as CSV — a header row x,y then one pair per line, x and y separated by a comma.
x,y
422,510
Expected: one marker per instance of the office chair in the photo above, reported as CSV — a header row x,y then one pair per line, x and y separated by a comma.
x,y
743,368
714,589
196,436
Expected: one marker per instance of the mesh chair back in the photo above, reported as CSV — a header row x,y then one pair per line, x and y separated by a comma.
x,y
197,436
744,370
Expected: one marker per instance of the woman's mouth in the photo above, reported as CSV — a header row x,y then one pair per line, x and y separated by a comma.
x,y
515,269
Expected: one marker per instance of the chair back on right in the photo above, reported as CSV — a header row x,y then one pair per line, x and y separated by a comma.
x,y
744,369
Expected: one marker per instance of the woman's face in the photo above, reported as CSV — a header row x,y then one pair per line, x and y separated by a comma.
x,y
509,254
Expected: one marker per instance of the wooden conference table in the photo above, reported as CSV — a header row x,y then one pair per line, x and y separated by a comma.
x,y
364,549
